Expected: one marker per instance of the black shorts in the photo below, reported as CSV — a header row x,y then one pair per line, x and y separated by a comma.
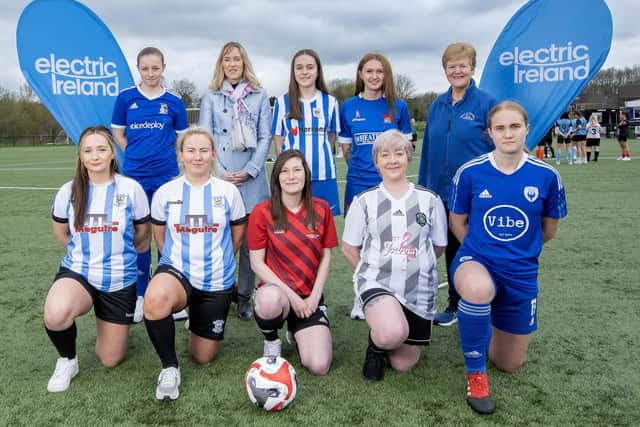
x,y
578,138
419,328
208,311
563,140
593,142
622,138
113,307
319,317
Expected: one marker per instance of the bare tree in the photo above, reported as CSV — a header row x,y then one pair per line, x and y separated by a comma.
x,y
342,89
186,89
405,88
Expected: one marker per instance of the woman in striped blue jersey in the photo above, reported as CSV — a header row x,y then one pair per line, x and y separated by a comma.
x,y
102,218
198,224
307,118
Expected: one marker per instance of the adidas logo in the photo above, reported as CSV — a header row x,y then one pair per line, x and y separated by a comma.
x,y
133,106
398,213
485,194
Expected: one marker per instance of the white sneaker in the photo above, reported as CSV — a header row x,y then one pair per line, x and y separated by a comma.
x,y
168,384
180,315
64,372
138,313
356,311
627,159
620,158
272,348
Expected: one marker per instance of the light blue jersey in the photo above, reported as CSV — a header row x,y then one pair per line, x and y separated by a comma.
x,y
506,211
310,135
151,125
197,239
102,250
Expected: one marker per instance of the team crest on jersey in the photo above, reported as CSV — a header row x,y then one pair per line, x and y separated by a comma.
x,y
218,326
119,200
317,112
386,117
164,108
531,193
357,117
421,219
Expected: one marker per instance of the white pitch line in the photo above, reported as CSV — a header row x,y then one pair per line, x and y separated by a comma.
x,y
35,169
442,285
28,188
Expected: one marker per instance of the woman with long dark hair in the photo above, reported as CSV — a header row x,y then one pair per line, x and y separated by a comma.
x,y
290,240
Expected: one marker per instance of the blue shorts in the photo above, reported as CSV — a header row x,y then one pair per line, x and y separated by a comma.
x,y
327,189
152,183
514,308
352,189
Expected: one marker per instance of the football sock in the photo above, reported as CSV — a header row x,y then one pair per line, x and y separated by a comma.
x,y
559,154
143,263
474,326
588,156
162,334
570,155
373,347
64,341
269,327
595,156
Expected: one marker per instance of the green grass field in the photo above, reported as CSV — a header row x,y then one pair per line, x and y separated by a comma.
x,y
582,367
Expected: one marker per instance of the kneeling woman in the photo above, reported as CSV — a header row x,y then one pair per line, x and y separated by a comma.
x,y
102,218
290,239
198,224
393,234
504,206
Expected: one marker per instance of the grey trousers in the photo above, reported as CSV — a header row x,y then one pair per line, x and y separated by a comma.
x,y
246,277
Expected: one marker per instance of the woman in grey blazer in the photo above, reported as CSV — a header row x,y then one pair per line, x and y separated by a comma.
x,y
236,110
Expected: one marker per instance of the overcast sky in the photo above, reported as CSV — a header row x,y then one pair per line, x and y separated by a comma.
x,y
412,34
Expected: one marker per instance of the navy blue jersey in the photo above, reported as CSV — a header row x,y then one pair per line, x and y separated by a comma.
x,y
506,210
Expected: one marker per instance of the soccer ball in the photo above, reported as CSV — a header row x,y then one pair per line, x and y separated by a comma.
x,y
271,383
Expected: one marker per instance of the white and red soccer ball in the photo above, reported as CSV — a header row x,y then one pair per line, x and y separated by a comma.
x,y
271,383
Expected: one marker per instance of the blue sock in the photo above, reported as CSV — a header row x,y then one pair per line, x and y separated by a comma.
x,y
559,154
143,263
570,154
474,326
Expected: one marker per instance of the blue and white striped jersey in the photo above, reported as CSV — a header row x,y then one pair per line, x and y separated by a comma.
x,y
310,135
102,250
198,220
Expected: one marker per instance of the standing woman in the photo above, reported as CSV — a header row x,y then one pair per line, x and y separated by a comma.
x,y
145,121
504,206
102,218
290,241
593,138
393,234
307,118
198,224
623,134
455,134
236,110
374,109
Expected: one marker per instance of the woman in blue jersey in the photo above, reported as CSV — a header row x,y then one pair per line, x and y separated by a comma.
x,y
236,110
102,218
307,118
504,206
375,109
455,133
145,121
198,224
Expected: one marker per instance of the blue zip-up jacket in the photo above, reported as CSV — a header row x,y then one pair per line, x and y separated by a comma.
x,y
454,135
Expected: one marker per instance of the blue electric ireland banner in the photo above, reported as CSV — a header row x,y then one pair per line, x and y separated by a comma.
x,y
72,62
546,55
